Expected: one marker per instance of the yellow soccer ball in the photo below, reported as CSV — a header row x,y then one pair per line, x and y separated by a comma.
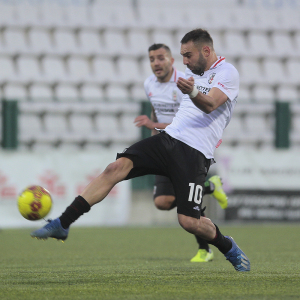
x,y
34,203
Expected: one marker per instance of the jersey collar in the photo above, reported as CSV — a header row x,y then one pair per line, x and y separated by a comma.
x,y
219,62
174,75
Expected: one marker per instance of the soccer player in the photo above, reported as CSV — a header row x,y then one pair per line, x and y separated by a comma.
x,y
183,152
165,97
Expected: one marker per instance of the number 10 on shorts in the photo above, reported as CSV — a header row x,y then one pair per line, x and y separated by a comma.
x,y
195,193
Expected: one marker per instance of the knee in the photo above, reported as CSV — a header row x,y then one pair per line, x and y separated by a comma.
x,y
112,168
164,202
119,169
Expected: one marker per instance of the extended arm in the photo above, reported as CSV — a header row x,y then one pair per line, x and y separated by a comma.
x,y
152,123
207,103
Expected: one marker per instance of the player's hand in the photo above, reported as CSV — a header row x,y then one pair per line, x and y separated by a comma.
x,y
185,85
143,120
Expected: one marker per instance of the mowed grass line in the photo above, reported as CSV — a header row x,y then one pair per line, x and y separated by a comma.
x,y
147,263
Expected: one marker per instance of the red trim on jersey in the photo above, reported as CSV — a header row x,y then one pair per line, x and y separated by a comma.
x,y
219,143
221,58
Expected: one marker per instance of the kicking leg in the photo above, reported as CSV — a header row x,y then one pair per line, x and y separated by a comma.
x,y
95,192
115,172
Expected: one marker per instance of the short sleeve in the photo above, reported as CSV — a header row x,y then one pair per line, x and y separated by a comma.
x,y
227,80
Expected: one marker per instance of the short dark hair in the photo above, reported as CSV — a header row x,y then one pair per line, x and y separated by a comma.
x,y
198,36
158,46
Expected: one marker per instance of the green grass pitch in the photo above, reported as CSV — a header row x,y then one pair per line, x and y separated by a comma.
x,y
148,263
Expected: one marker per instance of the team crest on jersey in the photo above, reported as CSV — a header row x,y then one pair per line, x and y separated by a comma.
x,y
174,95
211,78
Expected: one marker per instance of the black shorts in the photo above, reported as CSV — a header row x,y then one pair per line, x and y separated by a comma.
x,y
185,166
163,186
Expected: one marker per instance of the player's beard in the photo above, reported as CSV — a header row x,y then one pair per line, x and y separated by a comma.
x,y
200,66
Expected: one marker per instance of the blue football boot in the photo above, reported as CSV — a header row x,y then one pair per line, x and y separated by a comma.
x,y
237,257
52,229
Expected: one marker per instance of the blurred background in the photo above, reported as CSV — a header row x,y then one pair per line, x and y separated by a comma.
x,y
71,84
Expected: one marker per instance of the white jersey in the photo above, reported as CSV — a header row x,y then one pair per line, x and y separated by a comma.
x,y
194,127
165,97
